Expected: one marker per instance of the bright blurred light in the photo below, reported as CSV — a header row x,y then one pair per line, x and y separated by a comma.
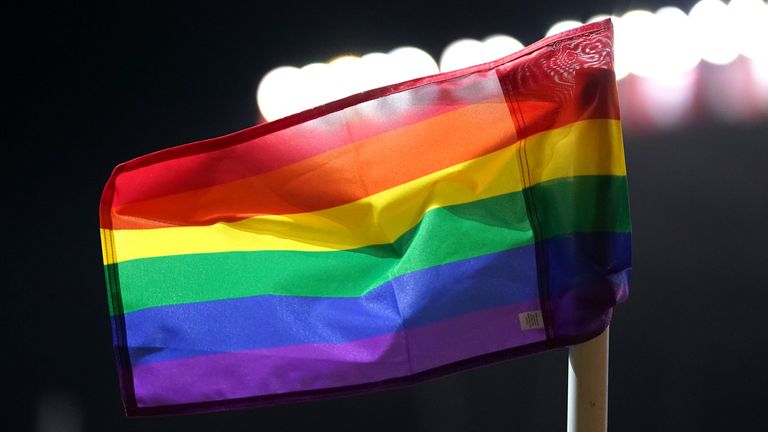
x,y
657,45
379,67
663,48
410,63
760,75
287,90
671,54
750,18
715,31
498,46
460,54
562,26
669,101
345,77
469,52
635,43
276,92
760,70
598,17
313,88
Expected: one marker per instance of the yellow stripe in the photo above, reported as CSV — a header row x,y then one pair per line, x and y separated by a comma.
x,y
590,147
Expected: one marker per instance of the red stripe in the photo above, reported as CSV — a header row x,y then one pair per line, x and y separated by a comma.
x,y
333,178
250,152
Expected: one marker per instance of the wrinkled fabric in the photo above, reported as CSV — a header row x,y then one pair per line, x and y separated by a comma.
x,y
389,237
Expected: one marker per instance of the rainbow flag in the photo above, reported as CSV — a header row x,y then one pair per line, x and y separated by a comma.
x,y
389,237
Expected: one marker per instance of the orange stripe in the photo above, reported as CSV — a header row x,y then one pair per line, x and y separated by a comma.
x,y
371,165
258,150
340,176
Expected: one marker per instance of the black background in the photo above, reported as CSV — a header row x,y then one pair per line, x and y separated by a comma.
x,y
90,86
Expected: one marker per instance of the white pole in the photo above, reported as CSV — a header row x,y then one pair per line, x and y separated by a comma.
x,y
588,385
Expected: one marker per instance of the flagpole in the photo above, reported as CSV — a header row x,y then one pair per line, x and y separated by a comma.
x,y
588,385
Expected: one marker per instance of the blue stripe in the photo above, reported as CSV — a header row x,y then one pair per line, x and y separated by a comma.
x,y
412,300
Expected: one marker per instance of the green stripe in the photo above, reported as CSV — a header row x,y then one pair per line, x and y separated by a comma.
x,y
444,235
582,204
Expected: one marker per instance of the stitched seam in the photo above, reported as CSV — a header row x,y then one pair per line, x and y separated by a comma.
x,y
125,369
533,216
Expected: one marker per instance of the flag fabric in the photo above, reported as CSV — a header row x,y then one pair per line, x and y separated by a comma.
x,y
392,236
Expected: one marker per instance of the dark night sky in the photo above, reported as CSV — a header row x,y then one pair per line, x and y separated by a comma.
x,y
91,86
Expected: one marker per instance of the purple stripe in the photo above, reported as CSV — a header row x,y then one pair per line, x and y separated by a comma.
x,y
588,275
317,366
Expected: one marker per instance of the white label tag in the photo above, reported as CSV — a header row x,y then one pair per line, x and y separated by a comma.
x,y
531,320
